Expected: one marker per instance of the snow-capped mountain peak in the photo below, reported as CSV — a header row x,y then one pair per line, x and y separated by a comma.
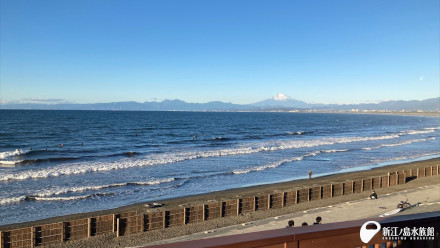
x,y
281,97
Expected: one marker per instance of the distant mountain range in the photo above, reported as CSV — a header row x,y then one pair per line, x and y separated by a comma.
x,y
279,102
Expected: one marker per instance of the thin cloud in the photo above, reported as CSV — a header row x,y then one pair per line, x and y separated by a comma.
x,y
43,100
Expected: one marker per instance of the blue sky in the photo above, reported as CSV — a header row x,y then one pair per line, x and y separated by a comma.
x,y
232,51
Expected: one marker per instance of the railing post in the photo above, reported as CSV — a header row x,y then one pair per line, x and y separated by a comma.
x,y
1,239
114,220
204,212
89,227
33,237
283,199
388,180
62,232
117,227
164,219
331,190
238,207
268,201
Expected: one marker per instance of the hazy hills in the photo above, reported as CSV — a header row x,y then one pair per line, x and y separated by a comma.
x,y
280,102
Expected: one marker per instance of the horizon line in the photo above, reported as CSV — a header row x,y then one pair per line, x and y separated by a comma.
x,y
41,101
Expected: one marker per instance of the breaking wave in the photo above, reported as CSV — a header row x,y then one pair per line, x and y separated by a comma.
x,y
398,144
159,159
412,132
11,200
275,164
51,195
335,150
9,163
8,154
67,198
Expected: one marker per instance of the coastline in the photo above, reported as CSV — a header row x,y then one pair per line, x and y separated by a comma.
x,y
174,203
214,226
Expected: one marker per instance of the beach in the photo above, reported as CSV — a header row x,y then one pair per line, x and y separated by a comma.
x,y
145,238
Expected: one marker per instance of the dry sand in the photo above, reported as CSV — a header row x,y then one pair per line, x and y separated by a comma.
x,y
168,233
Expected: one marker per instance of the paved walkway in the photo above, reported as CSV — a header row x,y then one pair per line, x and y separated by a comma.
x,y
428,198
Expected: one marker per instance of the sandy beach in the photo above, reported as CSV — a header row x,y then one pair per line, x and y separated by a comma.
x,y
152,237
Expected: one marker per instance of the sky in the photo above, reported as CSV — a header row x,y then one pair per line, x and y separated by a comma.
x,y
81,51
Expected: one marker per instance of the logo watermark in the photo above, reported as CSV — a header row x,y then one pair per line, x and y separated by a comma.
x,y
396,233
368,234
408,233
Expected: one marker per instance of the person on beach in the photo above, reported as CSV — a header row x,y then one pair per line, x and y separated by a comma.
x,y
310,174
304,224
373,195
291,223
318,220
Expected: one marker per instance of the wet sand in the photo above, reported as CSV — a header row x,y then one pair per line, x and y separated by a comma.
x,y
154,236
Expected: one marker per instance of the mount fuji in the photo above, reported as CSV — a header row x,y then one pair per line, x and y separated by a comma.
x,y
281,101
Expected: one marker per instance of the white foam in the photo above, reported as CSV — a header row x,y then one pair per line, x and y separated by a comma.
x,y
69,198
12,200
296,133
335,150
155,182
412,132
433,128
60,191
275,164
158,159
398,144
8,154
47,195
8,163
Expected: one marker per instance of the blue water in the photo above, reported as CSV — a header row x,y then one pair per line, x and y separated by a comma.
x,y
111,159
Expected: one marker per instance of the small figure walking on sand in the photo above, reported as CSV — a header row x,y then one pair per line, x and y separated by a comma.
x,y
310,174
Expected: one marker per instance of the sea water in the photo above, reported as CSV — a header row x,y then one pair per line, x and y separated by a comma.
x,y
55,163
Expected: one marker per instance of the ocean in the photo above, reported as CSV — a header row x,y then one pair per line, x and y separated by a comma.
x,y
55,163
